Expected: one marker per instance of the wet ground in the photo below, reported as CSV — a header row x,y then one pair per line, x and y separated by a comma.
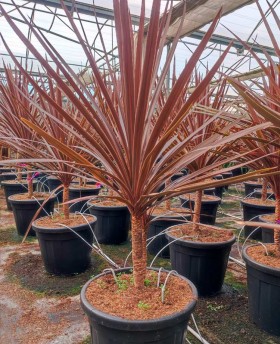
x,y
39,308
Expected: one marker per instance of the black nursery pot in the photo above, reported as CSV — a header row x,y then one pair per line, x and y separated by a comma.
x,y
251,211
203,263
219,190
81,192
109,329
24,211
113,223
267,233
250,188
264,294
208,208
5,170
64,252
42,185
156,227
258,194
225,176
7,176
13,189
52,184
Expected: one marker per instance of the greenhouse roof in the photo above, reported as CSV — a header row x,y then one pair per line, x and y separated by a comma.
x,y
241,17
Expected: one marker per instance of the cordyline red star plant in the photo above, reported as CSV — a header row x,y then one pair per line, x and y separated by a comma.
x,y
264,105
136,144
20,100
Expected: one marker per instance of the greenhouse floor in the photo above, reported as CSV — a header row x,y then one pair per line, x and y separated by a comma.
x,y
38,308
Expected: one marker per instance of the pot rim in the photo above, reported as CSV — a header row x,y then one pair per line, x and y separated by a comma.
x,y
103,207
259,266
263,220
199,244
115,321
71,188
30,200
61,229
243,201
216,200
23,182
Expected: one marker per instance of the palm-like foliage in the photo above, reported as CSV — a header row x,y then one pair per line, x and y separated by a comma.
x,y
123,127
19,100
264,104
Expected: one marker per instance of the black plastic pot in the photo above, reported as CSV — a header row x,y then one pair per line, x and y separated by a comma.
x,y
208,209
42,185
24,211
257,193
253,211
250,187
225,176
267,233
264,295
203,263
64,252
7,176
108,329
6,170
239,171
13,189
52,184
113,223
156,227
81,192
219,190
209,191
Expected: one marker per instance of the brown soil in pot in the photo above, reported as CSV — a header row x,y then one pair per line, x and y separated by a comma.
x,y
24,196
15,181
125,301
258,254
269,218
204,197
173,212
258,201
107,203
54,221
87,186
206,233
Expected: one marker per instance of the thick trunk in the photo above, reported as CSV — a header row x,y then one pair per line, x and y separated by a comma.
x,y
19,175
264,189
197,209
66,199
168,204
277,231
139,251
30,185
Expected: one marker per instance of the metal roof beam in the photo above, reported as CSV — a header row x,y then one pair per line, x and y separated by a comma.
x,y
223,40
88,9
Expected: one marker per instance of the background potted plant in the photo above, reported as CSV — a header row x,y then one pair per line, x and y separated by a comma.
x,y
263,262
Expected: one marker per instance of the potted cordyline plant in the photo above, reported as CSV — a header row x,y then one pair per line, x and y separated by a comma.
x,y
65,239
139,153
19,98
197,251
16,102
263,262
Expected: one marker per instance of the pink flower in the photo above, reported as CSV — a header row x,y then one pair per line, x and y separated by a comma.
x,y
98,185
277,221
